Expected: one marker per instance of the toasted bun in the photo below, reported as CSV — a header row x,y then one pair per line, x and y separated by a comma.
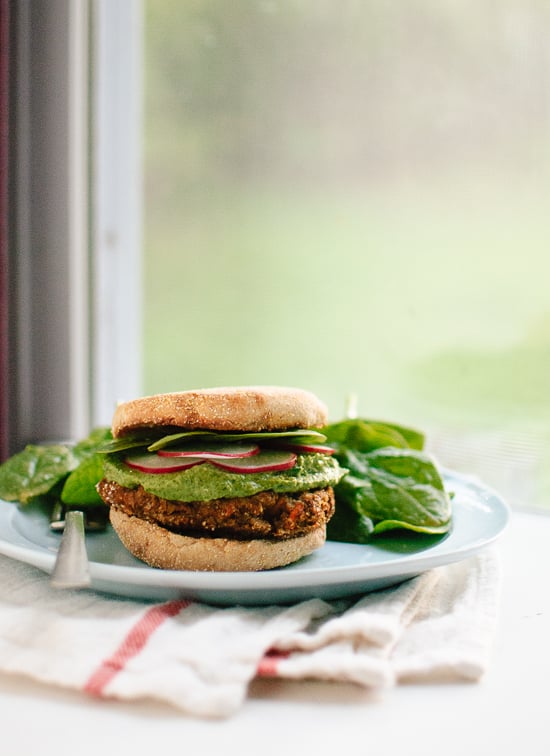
x,y
244,408
159,547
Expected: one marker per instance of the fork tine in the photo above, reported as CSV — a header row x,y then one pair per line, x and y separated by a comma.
x,y
57,517
95,517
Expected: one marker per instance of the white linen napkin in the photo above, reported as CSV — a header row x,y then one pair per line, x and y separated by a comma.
x,y
201,659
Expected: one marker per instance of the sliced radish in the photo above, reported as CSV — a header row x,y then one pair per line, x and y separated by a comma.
x,y
260,461
153,463
305,448
265,461
212,450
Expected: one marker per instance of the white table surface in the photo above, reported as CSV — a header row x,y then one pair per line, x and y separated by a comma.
x,y
508,712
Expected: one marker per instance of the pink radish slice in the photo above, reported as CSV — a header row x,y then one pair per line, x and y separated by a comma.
x,y
153,463
208,450
265,461
305,448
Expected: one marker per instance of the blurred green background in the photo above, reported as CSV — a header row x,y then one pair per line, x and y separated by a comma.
x,y
352,197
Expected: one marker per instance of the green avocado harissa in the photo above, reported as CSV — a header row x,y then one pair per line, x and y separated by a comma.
x,y
205,482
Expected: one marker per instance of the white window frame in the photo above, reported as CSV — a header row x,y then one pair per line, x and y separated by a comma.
x,y
117,195
75,241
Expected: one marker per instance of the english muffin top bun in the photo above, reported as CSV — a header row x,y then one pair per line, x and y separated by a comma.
x,y
248,408
228,479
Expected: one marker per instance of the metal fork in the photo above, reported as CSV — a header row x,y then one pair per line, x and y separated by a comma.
x,y
95,517
71,568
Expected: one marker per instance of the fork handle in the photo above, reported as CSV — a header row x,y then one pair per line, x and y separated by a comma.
x,y
71,568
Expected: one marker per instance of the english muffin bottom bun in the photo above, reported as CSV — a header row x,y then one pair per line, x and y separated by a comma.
x,y
221,479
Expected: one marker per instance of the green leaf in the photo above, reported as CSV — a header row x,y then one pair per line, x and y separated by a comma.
x,y
396,488
415,439
121,444
39,469
298,436
368,435
35,471
386,525
173,438
80,485
349,526
91,444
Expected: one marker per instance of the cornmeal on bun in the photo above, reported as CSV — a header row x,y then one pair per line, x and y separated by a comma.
x,y
224,479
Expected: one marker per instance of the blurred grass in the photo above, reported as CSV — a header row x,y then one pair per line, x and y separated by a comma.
x,y
328,209
435,296
432,309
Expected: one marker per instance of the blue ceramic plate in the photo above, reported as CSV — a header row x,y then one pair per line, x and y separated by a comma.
x,y
334,571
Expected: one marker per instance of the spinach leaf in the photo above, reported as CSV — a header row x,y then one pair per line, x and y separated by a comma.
x,y
395,488
35,471
114,445
40,470
93,442
367,435
302,436
349,526
391,482
152,444
80,486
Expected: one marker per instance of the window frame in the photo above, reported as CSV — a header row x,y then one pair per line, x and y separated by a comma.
x,y
74,209
4,269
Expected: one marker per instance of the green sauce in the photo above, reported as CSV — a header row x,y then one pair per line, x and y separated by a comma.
x,y
205,482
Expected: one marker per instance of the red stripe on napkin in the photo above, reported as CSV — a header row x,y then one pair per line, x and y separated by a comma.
x,y
268,665
132,644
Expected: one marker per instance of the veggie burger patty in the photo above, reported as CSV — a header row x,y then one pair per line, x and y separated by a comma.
x,y
264,515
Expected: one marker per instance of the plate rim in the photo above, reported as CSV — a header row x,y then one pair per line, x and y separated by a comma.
x,y
279,580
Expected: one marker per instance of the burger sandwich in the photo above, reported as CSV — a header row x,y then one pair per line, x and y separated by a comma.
x,y
224,479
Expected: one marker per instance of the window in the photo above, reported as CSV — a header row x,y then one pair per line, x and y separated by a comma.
x,y
352,197
346,196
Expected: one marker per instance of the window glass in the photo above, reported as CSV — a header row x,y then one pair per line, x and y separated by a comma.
x,y
352,197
